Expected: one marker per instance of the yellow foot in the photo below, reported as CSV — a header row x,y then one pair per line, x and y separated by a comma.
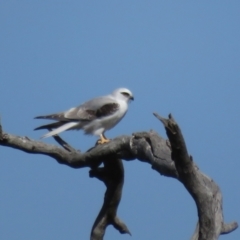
x,y
103,139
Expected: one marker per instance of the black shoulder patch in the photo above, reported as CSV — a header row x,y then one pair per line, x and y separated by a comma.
x,y
107,110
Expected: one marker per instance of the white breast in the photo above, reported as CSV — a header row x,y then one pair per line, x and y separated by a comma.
x,y
98,126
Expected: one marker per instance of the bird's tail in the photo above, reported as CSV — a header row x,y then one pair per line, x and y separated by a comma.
x,y
55,116
62,128
51,126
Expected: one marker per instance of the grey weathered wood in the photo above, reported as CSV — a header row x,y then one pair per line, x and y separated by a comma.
x,y
112,174
202,188
168,157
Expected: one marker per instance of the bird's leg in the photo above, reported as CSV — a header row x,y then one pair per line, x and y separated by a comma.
x,y
103,139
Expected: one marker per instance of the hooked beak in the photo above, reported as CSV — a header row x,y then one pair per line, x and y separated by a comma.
x,y
131,98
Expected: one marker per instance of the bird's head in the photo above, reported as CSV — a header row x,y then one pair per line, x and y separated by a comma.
x,y
124,94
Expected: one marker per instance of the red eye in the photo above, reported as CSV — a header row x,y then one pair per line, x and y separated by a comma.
x,y
125,94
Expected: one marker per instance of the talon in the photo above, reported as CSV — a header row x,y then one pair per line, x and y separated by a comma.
x,y
103,139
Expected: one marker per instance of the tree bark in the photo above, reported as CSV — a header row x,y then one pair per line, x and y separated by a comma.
x,y
112,174
168,157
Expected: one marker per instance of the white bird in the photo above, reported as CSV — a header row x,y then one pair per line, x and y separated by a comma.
x,y
94,116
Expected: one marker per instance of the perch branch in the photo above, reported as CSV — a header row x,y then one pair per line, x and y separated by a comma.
x,y
169,158
145,146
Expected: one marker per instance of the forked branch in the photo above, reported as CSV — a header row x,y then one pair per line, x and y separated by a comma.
x,y
112,174
202,188
169,158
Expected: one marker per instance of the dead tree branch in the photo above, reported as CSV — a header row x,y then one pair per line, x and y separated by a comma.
x,y
202,188
112,174
169,158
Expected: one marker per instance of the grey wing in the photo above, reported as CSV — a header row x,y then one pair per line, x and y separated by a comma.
x,y
82,112
95,108
59,117
54,116
88,111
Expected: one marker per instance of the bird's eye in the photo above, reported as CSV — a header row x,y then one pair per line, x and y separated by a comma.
x,y
125,94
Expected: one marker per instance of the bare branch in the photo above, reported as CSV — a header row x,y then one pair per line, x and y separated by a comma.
x,y
112,174
169,158
124,147
202,188
229,227
64,144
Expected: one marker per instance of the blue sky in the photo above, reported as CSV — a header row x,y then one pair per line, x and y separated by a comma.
x,y
179,57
